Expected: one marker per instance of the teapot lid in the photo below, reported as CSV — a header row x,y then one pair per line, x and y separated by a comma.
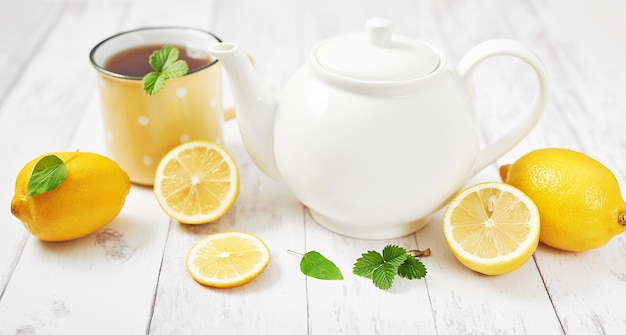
x,y
376,55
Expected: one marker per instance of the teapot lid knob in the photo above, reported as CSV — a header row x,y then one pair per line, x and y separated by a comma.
x,y
378,31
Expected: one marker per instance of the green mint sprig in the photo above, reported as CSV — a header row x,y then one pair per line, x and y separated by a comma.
x,y
166,65
48,174
394,260
314,264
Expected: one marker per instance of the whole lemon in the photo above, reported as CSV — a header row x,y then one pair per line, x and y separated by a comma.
x,y
579,199
92,195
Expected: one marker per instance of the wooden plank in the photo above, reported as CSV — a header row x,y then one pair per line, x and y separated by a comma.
x,y
434,304
586,100
461,300
130,277
575,75
22,26
486,308
570,107
108,278
465,302
105,279
354,305
276,301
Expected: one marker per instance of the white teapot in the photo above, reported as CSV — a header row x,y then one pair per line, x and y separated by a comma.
x,y
376,132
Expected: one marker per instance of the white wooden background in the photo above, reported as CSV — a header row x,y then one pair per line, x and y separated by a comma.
x,y
130,278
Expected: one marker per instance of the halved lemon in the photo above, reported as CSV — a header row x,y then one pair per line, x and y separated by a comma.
x,y
197,182
227,259
492,227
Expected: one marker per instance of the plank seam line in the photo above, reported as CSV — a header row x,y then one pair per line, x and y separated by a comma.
x,y
13,264
156,286
543,280
306,280
430,300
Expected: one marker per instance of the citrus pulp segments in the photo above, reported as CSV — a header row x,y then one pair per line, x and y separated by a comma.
x,y
197,182
492,243
227,259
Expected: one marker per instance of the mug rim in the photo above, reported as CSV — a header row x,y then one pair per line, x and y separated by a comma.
x,y
101,68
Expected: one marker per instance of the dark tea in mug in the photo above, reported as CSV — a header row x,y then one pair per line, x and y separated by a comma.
x,y
134,62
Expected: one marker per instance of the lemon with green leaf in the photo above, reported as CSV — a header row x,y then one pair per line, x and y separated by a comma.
x,y
66,195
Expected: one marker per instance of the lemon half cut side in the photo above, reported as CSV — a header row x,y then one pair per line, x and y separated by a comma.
x,y
492,228
197,182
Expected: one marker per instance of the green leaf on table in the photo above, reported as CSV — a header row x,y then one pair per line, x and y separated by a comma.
x,y
382,268
166,65
412,268
368,262
394,255
383,275
49,173
314,264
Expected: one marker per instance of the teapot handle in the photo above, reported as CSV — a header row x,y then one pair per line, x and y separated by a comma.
x,y
504,47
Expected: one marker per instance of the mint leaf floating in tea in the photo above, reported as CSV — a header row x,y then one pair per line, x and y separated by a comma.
x,y
48,174
314,264
153,82
166,65
394,260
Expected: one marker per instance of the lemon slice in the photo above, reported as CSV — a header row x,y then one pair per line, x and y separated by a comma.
x,y
227,259
197,182
492,228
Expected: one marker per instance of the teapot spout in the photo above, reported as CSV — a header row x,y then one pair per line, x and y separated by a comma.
x,y
254,104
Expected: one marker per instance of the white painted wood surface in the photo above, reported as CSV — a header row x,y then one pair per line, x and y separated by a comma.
x,y
129,278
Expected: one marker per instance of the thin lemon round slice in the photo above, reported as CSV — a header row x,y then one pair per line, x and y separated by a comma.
x,y
197,182
227,259
492,227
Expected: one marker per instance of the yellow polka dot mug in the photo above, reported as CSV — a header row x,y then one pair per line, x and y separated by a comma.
x,y
139,128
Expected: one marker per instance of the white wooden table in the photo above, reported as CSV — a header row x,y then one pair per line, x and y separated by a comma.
x,y
130,277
